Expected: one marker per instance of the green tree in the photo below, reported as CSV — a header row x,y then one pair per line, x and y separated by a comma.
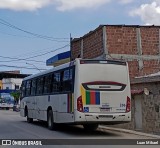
x,y
16,96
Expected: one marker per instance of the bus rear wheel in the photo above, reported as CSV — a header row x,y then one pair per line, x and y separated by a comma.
x,y
90,127
50,123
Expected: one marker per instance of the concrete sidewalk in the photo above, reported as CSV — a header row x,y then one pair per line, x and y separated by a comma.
x,y
129,131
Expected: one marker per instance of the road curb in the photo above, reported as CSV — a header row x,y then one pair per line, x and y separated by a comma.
x,y
129,131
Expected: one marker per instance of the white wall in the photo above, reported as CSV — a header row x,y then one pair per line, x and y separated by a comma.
x,y
11,82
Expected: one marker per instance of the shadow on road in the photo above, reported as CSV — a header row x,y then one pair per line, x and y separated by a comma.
x,y
76,130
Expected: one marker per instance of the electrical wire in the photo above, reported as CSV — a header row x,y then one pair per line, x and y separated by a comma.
x,y
17,59
33,52
26,59
47,52
3,22
15,35
22,67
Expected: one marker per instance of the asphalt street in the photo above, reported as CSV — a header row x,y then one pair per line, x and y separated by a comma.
x,y
13,126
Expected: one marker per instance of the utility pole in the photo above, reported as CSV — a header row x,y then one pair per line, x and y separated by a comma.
x,y
70,47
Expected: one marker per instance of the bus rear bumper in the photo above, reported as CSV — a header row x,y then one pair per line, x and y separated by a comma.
x,y
106,118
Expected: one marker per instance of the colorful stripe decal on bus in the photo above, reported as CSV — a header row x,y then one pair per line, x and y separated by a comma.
x,y
83,93
90,97
70,103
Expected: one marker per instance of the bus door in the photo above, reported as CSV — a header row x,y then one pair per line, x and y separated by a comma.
x,y
39,100
31,106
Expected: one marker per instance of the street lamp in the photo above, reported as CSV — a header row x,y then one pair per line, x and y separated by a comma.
x,y
34,66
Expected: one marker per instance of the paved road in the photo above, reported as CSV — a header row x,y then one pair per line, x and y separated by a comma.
x,y
12,126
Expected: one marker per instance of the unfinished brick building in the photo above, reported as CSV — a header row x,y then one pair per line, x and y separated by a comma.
x,y
139,45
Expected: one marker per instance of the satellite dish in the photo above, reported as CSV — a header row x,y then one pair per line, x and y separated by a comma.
x,y
146,91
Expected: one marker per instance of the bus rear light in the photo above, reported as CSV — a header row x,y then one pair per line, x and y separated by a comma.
x,y
79,104
128,106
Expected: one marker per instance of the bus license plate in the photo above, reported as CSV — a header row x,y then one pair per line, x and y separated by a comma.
x,y
104,109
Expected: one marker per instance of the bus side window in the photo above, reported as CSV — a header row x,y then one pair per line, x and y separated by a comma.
x,y
71,78
67,80
71,74
28,88
23,89
39,90
56,82
47,83
33,87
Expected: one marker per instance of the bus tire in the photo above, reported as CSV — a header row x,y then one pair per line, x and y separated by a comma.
x,y
50,123
7,108
90,127
29,120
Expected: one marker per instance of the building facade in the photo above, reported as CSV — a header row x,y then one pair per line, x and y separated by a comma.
x,y
139,45
145,105
11,80
12,83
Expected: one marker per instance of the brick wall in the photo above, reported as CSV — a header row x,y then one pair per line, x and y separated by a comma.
x,y
129,43
133,68
76,48
121,40
150,40
93,44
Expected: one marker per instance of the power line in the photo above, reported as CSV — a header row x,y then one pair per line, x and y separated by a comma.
x,y
17,59
15,35
22,67
24,63
34,34
33,52
26,59
3,22
47,52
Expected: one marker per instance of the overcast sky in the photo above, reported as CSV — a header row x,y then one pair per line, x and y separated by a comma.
x,y
34,29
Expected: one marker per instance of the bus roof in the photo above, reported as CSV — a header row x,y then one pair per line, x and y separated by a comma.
x,y
48,71
73,63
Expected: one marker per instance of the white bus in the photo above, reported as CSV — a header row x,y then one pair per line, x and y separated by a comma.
x,y
85,92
